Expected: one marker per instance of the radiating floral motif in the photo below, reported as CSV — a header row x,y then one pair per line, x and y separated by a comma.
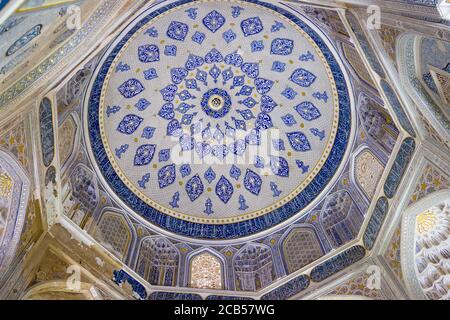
x,y
216,103
205,92
6,184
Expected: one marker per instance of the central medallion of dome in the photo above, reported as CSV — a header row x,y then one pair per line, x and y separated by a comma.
x,y
216,103
219,119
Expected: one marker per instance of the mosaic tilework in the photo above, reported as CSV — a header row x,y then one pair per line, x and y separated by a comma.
x,y
85,188
328,18
428,3
431,180
375,223
103,12
47,134
11,23
442,80
378,124
15,141
70,96
416,83
288,289
434,56
337,263
432,133
226,192
399,167
24,40
50,175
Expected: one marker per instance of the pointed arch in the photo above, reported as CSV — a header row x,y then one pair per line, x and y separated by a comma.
x,y
340,218
206,270
300,247
158,261
253,267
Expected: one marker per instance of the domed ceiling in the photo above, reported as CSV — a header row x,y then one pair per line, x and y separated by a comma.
x,y
219,119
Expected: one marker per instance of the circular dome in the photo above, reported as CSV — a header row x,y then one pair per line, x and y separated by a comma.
x,y
219,119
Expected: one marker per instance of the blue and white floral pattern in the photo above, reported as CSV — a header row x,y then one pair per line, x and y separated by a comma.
x,y
202,88
131,88
253,182
252,26
299,141
214,21
148,53
129,124
144,154
177,30
303,78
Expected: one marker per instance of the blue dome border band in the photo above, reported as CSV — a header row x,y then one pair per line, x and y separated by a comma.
x,y
232,230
